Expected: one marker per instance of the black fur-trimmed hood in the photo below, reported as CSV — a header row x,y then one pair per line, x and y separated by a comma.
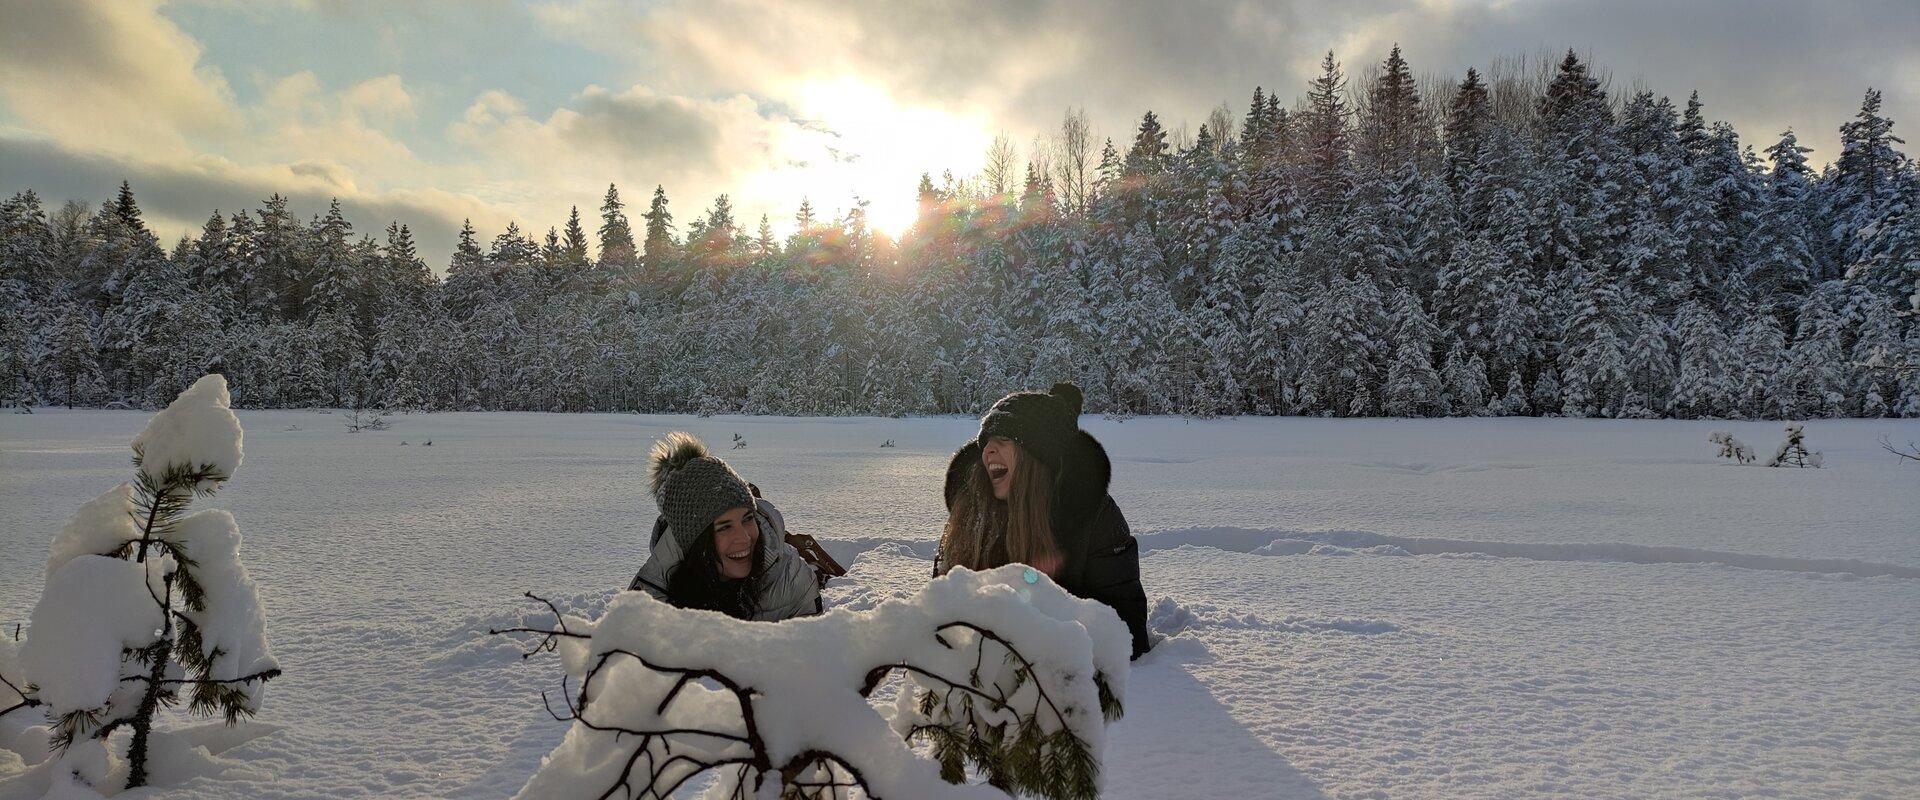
x,y
1079,490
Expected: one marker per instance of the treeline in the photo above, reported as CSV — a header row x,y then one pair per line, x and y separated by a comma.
x,y
1519,243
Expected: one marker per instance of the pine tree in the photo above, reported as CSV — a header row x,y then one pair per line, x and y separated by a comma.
x,y
617,254
1394,130
1593,359
1652,369
26,244
574,241
717,236
1865,181
336,279
128,212
468,283
182,617
1793,451
1468,117
1413,385
660,256
1348,341
1782,250
1324,136
406,279
1811,379
1467,389
70,367
1704,384
1759,349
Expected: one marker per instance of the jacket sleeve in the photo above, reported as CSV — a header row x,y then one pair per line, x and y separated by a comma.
x,y
653,575
1112,573
795,592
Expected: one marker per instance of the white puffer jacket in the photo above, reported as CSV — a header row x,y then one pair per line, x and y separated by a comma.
x,y
788,588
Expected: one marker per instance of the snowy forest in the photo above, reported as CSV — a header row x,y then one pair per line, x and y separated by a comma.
x,y
1528,241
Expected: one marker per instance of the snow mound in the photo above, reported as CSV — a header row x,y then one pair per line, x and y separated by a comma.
x,y
197,430
175,758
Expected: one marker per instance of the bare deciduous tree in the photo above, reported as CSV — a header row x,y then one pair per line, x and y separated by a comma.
x,y
1001,167
1074,161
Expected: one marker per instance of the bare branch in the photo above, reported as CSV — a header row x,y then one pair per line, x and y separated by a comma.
x,y
1912,453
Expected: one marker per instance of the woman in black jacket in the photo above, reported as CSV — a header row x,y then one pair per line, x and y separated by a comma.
x,y
1032,489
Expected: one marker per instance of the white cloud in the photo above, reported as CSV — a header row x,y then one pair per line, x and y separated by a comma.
x,y
1762,65
111,74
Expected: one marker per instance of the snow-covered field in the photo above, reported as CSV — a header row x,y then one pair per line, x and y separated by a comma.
x,y
1355,608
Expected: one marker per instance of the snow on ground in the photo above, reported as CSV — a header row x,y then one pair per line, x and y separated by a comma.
x,y
1356,608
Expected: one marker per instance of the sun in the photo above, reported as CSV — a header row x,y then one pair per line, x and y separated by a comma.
x,y
874,147
894,216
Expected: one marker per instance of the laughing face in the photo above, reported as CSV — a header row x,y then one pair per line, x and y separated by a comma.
x,y
999,456
735,534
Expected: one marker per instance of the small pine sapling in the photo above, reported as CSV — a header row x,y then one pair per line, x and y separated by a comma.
x,y
1793,452
146,605
1731,447
739,441
887,443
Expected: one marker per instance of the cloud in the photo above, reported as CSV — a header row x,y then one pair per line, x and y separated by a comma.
x,y
379,101
639,137
1762,65
637,128
769,102
111,74
177,196
353,130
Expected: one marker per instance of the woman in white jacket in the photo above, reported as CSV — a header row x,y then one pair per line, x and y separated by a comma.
x,y
716,546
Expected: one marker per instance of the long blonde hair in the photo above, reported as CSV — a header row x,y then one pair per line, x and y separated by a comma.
x,y
984,532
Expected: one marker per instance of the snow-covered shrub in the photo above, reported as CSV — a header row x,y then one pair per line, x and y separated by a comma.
x,y
1731,447
1793,452
145,604
1004,671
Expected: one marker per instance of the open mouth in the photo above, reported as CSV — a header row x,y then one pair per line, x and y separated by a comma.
x,y
996,472
741,556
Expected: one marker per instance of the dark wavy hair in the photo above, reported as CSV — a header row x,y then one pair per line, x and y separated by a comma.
x,y
697,582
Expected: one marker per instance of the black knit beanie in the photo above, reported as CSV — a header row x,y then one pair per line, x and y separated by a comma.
x,y
1043,423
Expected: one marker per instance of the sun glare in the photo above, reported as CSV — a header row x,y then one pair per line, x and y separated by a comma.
x,y
873,147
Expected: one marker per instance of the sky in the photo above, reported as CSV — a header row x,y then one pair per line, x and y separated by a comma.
x,y
432,112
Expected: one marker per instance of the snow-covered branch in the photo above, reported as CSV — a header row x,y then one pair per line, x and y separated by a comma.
x,y
1018,679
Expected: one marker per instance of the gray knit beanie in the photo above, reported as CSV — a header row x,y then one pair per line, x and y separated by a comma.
x,y
692,487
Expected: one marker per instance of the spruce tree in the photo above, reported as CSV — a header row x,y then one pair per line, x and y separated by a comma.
x,y
1324,133
617,254
1394,130
1413,385
661,249
1468,117
70,366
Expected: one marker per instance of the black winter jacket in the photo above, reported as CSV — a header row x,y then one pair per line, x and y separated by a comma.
x,y
1100,557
